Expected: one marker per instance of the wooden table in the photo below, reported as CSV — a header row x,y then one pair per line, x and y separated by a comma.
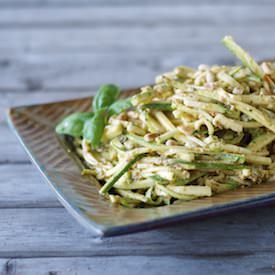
x,y
58,49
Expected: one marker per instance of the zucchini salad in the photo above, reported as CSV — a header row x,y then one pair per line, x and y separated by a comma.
x,y
193,134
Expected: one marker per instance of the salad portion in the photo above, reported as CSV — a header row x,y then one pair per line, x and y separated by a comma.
x,y
193,134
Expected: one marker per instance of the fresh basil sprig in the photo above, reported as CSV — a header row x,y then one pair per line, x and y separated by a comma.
x,y
73,124
119,106
105,96
91,125
94,128
104,105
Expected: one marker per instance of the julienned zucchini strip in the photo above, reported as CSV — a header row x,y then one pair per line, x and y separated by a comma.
x,y
216,150
208,165
109,184
252,112
246,59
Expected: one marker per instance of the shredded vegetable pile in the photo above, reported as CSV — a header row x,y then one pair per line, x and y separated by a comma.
x,y
193,134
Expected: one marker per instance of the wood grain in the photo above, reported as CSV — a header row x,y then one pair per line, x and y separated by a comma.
x,y
162,40
52,50
257,264
167,15
64,3
80,71
52,232
24,191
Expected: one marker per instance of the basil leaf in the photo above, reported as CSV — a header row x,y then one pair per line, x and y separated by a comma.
x,y
94,128
106,95
119,106
73,124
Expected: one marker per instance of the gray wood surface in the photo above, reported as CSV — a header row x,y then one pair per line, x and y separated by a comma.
x,y
58,49
51,232
62,3
137,264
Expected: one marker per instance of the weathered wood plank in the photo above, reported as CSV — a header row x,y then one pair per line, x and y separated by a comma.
x,y
241,15
258,264
11,150
83,71
77,70
54,233
77,62
22,186
64,3
157,40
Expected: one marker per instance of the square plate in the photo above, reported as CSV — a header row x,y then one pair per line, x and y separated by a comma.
x,y
34,126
